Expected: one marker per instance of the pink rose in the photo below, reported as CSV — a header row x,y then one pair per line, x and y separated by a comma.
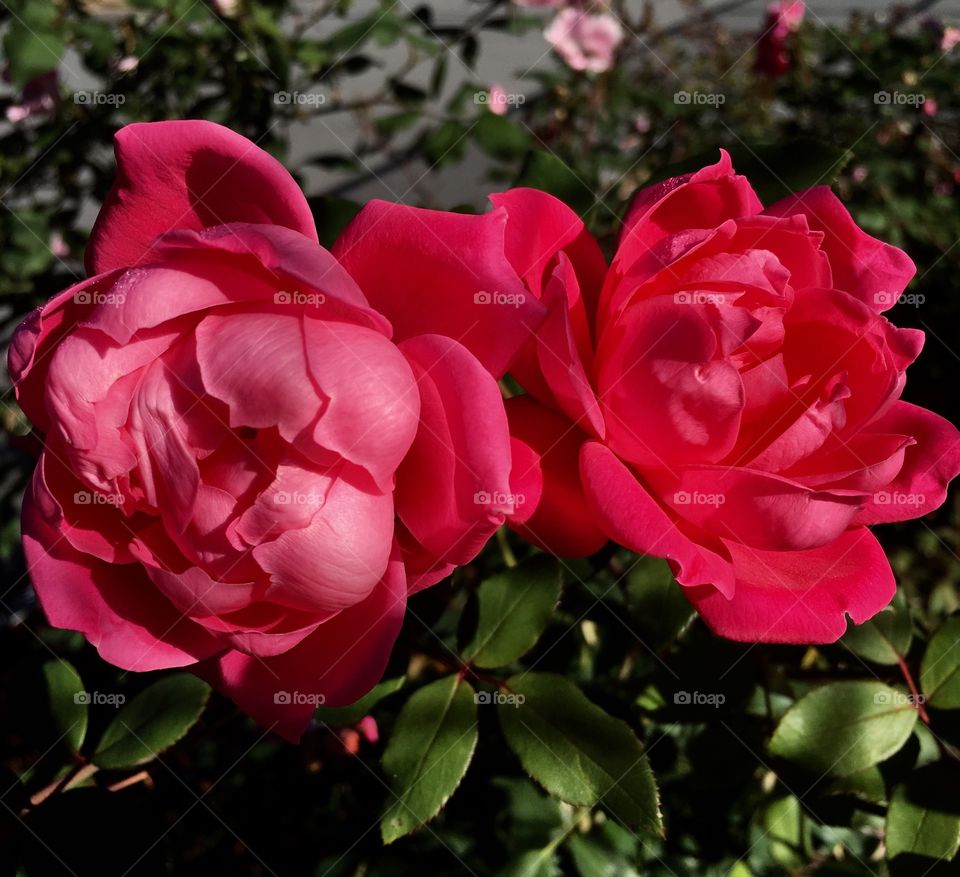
x,y
254,449
584,40
727,396
773,46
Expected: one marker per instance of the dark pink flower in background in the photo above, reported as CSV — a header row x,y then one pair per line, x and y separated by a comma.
x,y
254,449
39,99
774,54
727,396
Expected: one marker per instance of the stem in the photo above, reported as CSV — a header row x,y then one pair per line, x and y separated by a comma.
x,y
77,774
914,691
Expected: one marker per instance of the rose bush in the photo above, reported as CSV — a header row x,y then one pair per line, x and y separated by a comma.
x,y
727,396
255,449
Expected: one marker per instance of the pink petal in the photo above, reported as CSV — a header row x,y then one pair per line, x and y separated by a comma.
x,y
800,596
554,513
663,394
928,466
453,488
445,273
868,269
631,517
115,607
336,665
188,175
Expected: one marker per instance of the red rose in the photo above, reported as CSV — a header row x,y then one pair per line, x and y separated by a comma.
x,y
727,396
254,450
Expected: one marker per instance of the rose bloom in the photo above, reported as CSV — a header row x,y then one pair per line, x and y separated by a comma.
x,y
585,41
773,53
254,449
727,396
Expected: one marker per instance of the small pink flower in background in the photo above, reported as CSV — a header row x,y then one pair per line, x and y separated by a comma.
x,y
545,4
40,97
58,246
773,50
497,100
584,40
949,39
859,173
642,124
930,107
226,8
367,726
364,731
127,64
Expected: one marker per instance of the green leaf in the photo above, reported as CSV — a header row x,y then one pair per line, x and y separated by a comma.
x,y
154,720
68,702
500,137
940,667
924,817
514,608
349,715
428,754
534,863
544,170
864,785
885,638
593,860
34,43
445,143
576,751
658,608
787,832
844,727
